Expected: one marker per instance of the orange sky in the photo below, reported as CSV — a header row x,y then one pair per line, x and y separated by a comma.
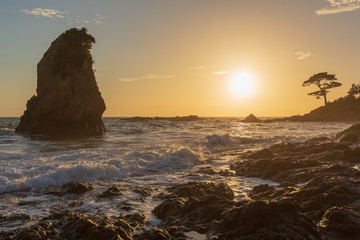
x,y
158,57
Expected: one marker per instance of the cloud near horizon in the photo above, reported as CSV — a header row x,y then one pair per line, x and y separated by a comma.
x,y
199,67
302,55
338,6
46,12
146,77
219,73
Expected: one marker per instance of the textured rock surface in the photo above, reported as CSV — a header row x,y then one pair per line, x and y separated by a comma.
x,y
73,225
68,101
318,196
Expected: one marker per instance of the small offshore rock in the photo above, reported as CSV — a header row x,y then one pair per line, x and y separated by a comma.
x,y
251,119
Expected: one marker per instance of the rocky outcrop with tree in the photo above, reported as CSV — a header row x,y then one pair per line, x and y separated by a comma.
x,y
324,82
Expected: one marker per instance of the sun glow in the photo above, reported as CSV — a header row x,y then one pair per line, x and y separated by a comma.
x,y
242,84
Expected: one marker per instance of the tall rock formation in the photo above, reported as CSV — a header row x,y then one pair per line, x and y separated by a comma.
x,y
68,101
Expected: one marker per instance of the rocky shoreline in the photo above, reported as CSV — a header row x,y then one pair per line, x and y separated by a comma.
x,y
317,197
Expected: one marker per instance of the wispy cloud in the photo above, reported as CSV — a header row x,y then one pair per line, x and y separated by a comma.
x,y
46,12
146,77
219,73
199,67
337,6
71,20
302,55
98,19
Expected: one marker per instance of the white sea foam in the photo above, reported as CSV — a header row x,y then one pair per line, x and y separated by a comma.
x,y
67,170
226,139
215,139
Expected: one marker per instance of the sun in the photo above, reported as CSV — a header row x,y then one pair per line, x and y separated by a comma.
x,y
242,84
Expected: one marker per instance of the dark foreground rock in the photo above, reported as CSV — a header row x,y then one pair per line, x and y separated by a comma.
x,y
282,219
351,134
318,196
68,101
72,225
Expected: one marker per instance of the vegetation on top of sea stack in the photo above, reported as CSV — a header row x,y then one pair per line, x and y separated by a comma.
x,y
75,50
324,82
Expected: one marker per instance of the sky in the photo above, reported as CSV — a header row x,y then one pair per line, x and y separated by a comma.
x,y
179,57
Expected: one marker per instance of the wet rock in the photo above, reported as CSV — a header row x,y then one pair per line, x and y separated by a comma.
x,y
306,149
81,226
351,155
110,192
193,214
14,217
207,170
273,169
153,234
322,193
72,225
261,191
68,101
125,205
353,130
226,173
211,171
135,219
44,230
14,221
266,220
143,191
202,189
343,222
76,187
264,153
349,138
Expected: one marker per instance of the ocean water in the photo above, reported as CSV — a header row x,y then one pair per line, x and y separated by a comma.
x,y
142,158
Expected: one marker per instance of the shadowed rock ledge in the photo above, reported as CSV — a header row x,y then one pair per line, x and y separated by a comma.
x,y
68,101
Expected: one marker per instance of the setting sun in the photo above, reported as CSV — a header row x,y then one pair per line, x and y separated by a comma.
x,y
242,84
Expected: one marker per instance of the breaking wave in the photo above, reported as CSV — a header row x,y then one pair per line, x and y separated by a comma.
x,y
57,174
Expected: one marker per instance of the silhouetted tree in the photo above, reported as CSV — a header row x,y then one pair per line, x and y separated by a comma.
x,y
75,50
324,82
354,90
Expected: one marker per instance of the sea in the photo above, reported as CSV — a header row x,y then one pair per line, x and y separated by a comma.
x,y
142,158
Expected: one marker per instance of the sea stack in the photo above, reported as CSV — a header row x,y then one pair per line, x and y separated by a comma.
x,y
68,100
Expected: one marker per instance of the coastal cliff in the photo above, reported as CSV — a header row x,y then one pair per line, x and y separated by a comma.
x,y
68,100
